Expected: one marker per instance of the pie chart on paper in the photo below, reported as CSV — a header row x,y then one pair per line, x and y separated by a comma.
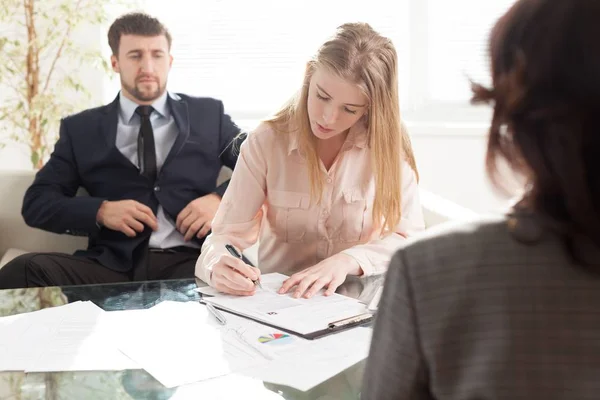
x,y
275,339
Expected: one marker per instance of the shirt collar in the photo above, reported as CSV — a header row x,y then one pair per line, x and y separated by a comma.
x,y
128,106
357,137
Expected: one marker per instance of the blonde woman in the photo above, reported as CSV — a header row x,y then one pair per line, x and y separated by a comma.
x,y
329,184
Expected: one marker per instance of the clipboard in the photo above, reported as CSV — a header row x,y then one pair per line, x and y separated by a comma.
x,y
333,327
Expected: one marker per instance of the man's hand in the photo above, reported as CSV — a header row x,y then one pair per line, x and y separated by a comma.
x,y
127,216
196,218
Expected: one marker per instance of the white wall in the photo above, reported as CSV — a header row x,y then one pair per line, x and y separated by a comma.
x,y
451,163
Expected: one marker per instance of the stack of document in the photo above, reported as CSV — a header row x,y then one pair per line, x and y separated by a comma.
x,y
179,344
73,337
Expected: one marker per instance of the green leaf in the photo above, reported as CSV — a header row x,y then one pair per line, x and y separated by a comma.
x,y
34,158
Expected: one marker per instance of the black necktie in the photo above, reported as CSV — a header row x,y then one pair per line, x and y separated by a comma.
x,y
146,150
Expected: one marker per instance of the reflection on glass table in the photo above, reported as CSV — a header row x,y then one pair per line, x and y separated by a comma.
x,y
138,384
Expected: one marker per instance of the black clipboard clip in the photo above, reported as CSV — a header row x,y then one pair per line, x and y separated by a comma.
x,y
351,321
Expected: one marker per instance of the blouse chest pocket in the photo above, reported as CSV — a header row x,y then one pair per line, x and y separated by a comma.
x,y
354,208
291,214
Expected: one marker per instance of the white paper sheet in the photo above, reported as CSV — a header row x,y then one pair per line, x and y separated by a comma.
x,y
228,387
177,343
21,336
304,367
83,342
301,363
181,343
298,315
66,338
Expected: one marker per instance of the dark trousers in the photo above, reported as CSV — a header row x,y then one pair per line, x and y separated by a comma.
x,y
58,269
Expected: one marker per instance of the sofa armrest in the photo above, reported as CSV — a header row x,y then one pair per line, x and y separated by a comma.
x,y
437,210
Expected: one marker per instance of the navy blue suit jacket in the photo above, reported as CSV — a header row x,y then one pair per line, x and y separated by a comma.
x,y
86,156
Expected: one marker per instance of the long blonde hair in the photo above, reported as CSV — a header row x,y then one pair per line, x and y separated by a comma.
x,y
360,55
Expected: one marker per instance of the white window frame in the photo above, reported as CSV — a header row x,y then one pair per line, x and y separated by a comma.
x,y
421,110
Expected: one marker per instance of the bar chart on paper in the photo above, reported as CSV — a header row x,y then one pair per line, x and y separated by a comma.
x,y
274,339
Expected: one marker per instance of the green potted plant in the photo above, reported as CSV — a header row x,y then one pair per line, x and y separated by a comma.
x,y
40,75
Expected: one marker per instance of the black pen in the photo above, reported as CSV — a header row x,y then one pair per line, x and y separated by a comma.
x,y
233,251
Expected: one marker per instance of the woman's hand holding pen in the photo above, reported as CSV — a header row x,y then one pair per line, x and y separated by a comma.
x,y
232,275
330,273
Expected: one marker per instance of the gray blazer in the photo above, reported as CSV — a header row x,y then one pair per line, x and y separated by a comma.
x,y
487,310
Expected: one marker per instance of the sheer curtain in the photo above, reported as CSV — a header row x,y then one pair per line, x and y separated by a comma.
x,y
252,54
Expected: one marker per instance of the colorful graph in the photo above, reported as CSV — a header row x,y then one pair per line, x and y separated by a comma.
x,y
275,338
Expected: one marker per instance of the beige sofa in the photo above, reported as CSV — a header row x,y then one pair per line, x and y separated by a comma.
x,y
17,238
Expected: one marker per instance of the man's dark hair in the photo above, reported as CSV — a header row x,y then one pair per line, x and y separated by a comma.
x,y
136,23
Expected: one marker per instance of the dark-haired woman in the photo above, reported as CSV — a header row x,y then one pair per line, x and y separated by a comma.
x,y
509,308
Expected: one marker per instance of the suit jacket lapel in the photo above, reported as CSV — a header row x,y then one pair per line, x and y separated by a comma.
x,y
179,109
110,121
109,130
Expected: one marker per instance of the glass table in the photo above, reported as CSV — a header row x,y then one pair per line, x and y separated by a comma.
x,y
138,384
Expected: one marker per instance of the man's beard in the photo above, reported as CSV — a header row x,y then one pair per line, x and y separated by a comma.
x,y
144,96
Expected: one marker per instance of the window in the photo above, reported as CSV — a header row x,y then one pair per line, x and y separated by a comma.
x,y
251,54
450,44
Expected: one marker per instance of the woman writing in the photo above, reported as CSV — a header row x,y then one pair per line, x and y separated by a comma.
x,y
329,184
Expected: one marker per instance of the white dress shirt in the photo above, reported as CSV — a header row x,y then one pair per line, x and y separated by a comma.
x,y
165,132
